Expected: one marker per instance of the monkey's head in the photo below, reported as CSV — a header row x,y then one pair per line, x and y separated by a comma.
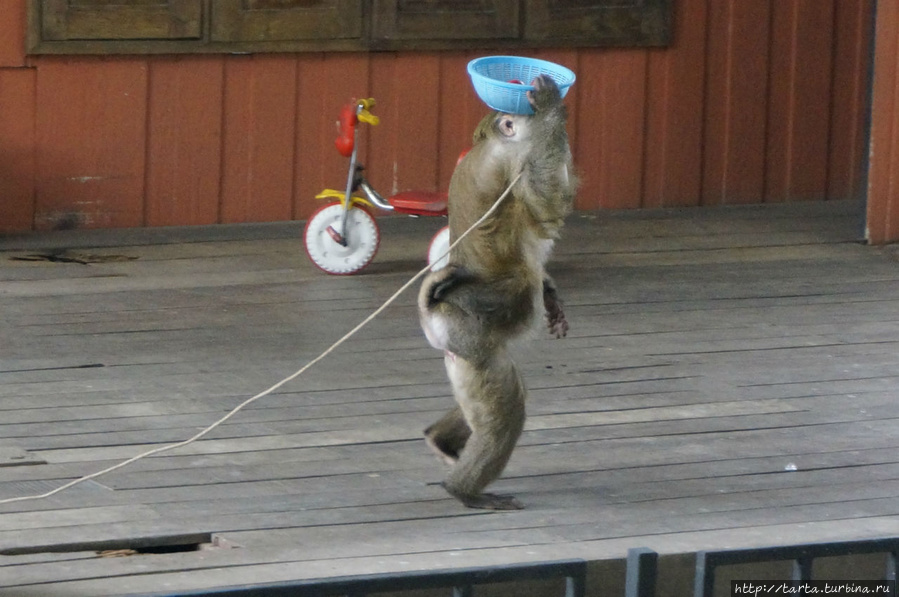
x,y
502,127
545,98
491,126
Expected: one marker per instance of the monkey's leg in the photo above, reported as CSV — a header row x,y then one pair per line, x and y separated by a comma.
x,y
448,436
492,398
555,316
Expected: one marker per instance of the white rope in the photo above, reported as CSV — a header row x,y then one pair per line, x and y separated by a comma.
x,y
287,379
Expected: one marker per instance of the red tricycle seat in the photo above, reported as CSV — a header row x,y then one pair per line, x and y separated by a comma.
x,y
420,203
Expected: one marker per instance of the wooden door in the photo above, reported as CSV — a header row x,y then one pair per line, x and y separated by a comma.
x,y
121,19
277,20
445,19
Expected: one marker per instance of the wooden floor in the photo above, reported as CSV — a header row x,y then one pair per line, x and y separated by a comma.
x,y
730,380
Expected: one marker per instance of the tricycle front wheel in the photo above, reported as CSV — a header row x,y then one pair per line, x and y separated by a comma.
x,y
361,236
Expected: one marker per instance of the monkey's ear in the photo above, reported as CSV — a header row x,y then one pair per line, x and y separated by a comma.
x,y
506,125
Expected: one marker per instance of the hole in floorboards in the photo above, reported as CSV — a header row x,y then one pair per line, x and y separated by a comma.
x,y
117,548
210,543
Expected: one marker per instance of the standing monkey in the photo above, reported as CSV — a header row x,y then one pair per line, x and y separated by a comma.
x,y
488,294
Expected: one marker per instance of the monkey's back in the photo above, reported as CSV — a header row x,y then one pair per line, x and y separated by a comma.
x,y
504,256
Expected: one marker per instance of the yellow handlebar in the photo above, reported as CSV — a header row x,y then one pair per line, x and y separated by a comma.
x,y
363,114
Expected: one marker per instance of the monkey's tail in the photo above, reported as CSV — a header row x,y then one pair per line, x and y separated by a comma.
x,y
445,281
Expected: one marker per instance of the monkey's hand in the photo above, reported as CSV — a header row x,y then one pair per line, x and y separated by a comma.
x,y
546,94
557,323
555,315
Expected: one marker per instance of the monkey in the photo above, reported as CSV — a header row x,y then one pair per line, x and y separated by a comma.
x,y
490,291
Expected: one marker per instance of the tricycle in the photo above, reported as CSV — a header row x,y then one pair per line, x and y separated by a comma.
x,y
342,236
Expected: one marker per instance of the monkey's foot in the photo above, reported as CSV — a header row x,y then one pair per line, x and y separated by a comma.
x,y
490,501
448,436
487,501
444,452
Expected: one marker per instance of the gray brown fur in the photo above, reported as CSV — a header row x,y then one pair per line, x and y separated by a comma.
x,y
488,293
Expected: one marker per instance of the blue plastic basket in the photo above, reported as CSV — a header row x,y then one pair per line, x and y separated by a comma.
x,y
491,76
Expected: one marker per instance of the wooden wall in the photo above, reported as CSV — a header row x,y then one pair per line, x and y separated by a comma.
x,y
756,101
883,193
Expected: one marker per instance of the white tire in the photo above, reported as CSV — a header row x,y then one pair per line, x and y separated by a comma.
x,y
437,251
362,239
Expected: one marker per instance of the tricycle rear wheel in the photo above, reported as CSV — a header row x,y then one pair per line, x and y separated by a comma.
x,y
437,251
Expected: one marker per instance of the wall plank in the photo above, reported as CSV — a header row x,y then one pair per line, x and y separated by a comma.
x,y
799,100
91,136
325,83
258,138
184,141
813,70
848,124
883,189
404,148
12,33
755,101
736,102
674,113
460,111
781,101
608,148
17,149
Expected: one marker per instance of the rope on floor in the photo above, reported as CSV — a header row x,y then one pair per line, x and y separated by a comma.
x,y
286,380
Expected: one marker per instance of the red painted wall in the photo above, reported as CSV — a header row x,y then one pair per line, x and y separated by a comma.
x,y
758,101
883,192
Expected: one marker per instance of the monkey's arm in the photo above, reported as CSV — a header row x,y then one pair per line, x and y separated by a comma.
x,y
549,191
548,182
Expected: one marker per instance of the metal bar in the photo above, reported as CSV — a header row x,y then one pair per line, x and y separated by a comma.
x,y
793,552
574,571
348,194
802,555
891,570
372,195
642,568
704,578
802,570
575,586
